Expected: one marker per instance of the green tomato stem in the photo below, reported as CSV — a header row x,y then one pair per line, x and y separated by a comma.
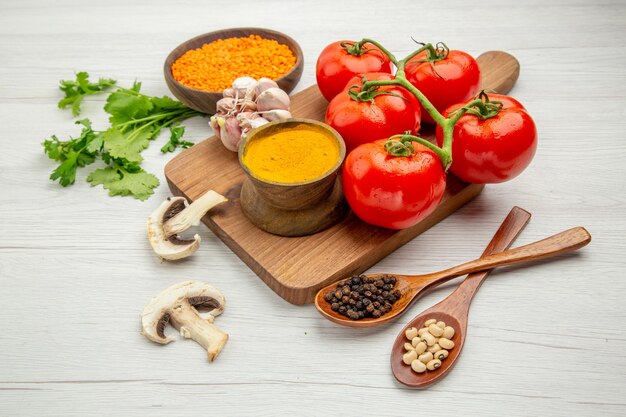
x,y
391,56
428,47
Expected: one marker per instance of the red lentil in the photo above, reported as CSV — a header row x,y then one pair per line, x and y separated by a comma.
x,y
214,66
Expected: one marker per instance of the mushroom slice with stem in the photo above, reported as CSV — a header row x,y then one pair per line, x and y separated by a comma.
x,y
179,306
174,216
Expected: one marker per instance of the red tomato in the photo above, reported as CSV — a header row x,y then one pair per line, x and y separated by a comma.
x,y
458,79
495,149
363,121
394,192
335,66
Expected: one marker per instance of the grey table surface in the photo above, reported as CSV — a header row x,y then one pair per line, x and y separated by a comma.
x,y
76,268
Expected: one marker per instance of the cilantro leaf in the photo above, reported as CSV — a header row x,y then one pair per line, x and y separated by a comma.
x,y
134,120
66,171
127,105
176,132
127,146
73,153
166,103
121,182
76,90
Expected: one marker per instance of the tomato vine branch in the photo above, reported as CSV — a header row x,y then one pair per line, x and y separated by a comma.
x,y
397,144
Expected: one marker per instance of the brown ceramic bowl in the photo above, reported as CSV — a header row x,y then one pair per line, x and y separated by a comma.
x,y
298,208
204,101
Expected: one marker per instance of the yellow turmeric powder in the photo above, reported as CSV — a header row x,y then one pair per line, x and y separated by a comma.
x,y
214,66
297,154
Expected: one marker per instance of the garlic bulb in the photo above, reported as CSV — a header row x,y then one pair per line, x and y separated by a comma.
x,y
213,122
243,84
225,105
276,114
245,118
258,122
246,106
231,133
271,99
264,84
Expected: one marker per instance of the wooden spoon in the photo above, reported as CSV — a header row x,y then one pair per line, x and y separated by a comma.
x,y
454,309
412,287
503,71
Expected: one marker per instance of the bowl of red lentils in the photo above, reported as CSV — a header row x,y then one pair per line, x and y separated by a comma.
x,y
198,70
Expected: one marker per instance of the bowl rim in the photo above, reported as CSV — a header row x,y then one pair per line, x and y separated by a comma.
x,y
170,59
332,171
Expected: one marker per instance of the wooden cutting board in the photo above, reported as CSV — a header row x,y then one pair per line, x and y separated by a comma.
x,y
296,267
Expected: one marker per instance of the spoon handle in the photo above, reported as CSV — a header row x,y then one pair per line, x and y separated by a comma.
x,y
560,243
459,300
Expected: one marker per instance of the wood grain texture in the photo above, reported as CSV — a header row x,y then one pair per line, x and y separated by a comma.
x,y
205,101
297,267
293,267
76,269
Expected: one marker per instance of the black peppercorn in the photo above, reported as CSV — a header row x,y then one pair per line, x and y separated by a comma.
x,y
360,297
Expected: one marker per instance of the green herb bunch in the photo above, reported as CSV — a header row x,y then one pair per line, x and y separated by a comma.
x,y
135,120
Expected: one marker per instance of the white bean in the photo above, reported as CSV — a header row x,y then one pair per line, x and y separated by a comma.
x,y
422,331
446,343
441,324
435,330
429,322
448,332
409,357
426,357
408,347
411,333
415,340
441,354
429,339
434,348
434,364
420,347
418,366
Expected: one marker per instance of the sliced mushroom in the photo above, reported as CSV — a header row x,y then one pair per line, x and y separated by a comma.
x,y
174,216
179,306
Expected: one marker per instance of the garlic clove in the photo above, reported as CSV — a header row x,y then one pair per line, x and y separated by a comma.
x,y
225,105
273,99
229,92
258,122
244,119
277,114
244,87
264,84
231,133
244,133
246,105
215,125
